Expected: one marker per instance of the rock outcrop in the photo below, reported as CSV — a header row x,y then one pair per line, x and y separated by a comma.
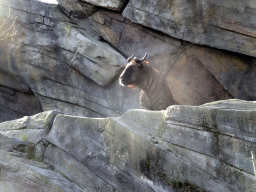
x,y
63,67
68,56
108,4
76,9
228,25
184,148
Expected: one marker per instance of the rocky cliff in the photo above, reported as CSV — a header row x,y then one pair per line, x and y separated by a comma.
x,y
68,56
182,148
72,129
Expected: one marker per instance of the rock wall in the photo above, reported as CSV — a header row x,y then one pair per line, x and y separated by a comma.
x,y
182,148
228,25
69,56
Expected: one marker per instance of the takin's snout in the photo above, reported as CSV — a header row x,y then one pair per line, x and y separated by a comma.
x,y
122,81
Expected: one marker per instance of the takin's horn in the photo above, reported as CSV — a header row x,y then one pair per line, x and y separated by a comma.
x,y
130,58
140,60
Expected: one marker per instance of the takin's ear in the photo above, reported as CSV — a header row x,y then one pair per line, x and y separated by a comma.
x,y
132,86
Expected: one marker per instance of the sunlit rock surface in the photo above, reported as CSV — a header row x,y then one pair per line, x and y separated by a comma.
x,y
63,66
76,9
224,24
69,56
116,5
182,148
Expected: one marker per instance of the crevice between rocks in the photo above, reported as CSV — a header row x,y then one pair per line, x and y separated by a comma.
x,y
207,24
12,110
76,104
82,164
211,130
126,2
171,66
47,78
29,93
236,32
204,154
214,77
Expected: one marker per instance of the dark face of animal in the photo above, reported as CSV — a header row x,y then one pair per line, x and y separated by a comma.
x,y
131,74
133,71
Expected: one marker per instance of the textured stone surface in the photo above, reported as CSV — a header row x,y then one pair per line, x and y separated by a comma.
x,y
222,126
234,72
15,104
72,64
76,9
70,61
196,83
109,4
87,56
82,139
75,170
195,74
183,148
204,145
33,128
228,25
11,143
16,98
16,175
57,67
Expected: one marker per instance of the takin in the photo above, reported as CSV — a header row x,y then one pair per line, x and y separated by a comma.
x,y
155,93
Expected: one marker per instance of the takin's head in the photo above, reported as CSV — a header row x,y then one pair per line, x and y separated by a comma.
x,y
133,72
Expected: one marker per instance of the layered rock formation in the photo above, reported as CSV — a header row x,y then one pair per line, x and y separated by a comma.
x,y
63,67
224,24
184,148
69,56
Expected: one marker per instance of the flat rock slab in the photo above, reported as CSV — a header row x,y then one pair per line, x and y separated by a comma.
x,y
75,170
92,58
12,144
60,64
195,147
151,150
17,175
226,129
236,114
195,74
73,66
228,25
84,139
108,4
76,9
30,128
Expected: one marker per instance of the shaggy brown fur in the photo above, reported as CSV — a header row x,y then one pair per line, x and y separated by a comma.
x,y
155,93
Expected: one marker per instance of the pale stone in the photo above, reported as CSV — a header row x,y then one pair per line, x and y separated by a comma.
x,y
30,128
220,126
56,67
73,65
76,9
16,175
82,138
191,143
197,147
109,4
75,170
228,25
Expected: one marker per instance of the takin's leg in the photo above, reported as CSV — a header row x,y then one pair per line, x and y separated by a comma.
x,y
144,101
